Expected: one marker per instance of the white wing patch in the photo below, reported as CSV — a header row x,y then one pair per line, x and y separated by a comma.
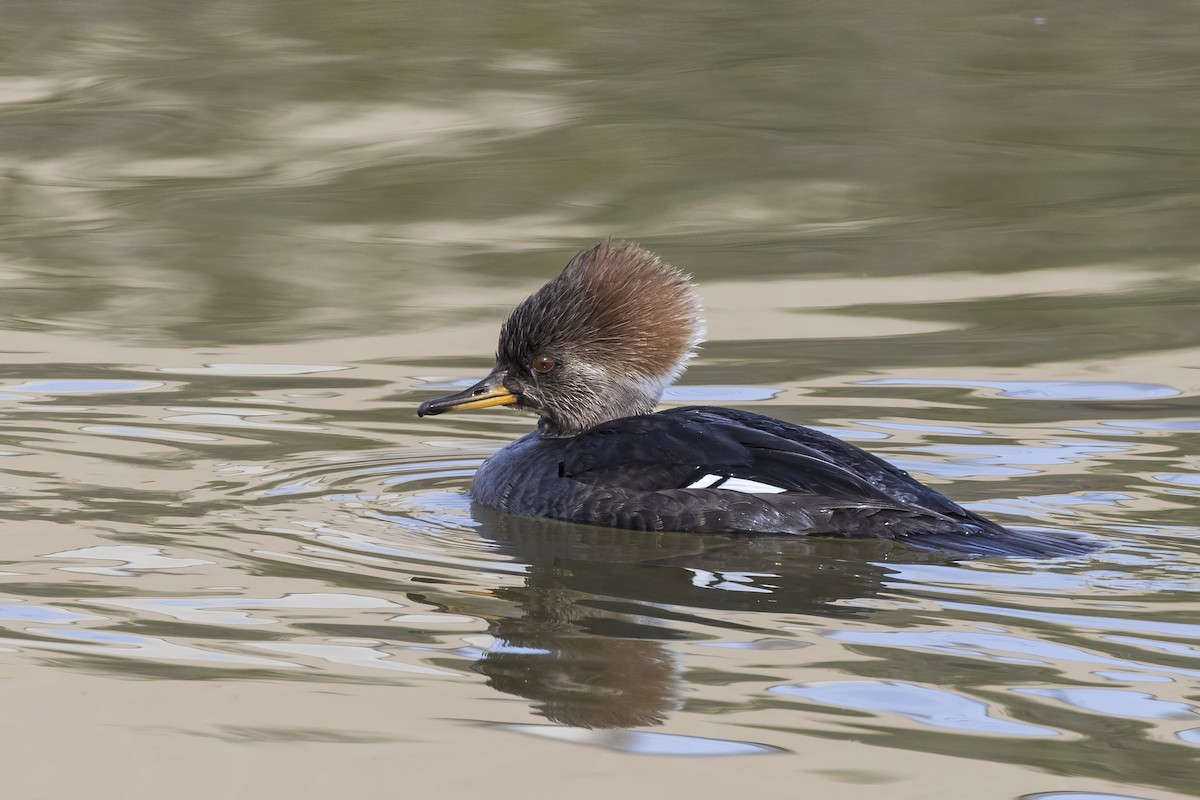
x,y
735,484
705,482
751,487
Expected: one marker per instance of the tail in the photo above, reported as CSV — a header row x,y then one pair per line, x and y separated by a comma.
x,y
958,532
993,540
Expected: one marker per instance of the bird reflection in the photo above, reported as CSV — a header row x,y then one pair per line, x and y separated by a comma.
x,y
599,605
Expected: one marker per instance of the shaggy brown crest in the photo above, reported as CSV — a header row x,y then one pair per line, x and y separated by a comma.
x,y
616,305
603,339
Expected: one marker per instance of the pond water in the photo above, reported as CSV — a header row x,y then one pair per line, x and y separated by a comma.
x,y
241,242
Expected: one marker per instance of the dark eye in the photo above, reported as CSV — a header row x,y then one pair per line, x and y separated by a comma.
x,y
543,364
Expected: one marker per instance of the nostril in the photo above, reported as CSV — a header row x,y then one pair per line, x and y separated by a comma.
x,y
478,392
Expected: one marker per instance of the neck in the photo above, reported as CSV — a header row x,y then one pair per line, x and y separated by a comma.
x,y
547,429
559,428
599,396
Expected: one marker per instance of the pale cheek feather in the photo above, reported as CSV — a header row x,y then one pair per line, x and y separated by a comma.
x,y
735,484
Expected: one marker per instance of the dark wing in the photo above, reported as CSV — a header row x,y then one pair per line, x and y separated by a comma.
x,y
888,478
823,485
702,447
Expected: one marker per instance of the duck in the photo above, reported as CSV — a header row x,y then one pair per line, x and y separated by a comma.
x,y
591,352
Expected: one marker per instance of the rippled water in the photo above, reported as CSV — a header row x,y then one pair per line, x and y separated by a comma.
x,y
239,243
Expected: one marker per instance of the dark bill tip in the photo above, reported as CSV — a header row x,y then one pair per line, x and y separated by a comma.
x,y
485,394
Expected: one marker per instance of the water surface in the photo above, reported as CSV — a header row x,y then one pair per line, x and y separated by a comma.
x,y
239,243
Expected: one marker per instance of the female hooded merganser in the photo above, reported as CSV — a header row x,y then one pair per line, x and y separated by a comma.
x,y
591,353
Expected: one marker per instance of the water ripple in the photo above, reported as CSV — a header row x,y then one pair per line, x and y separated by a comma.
x,y
1046,390
934,707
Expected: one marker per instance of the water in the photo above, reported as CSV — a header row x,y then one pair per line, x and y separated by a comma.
x,y
240,242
